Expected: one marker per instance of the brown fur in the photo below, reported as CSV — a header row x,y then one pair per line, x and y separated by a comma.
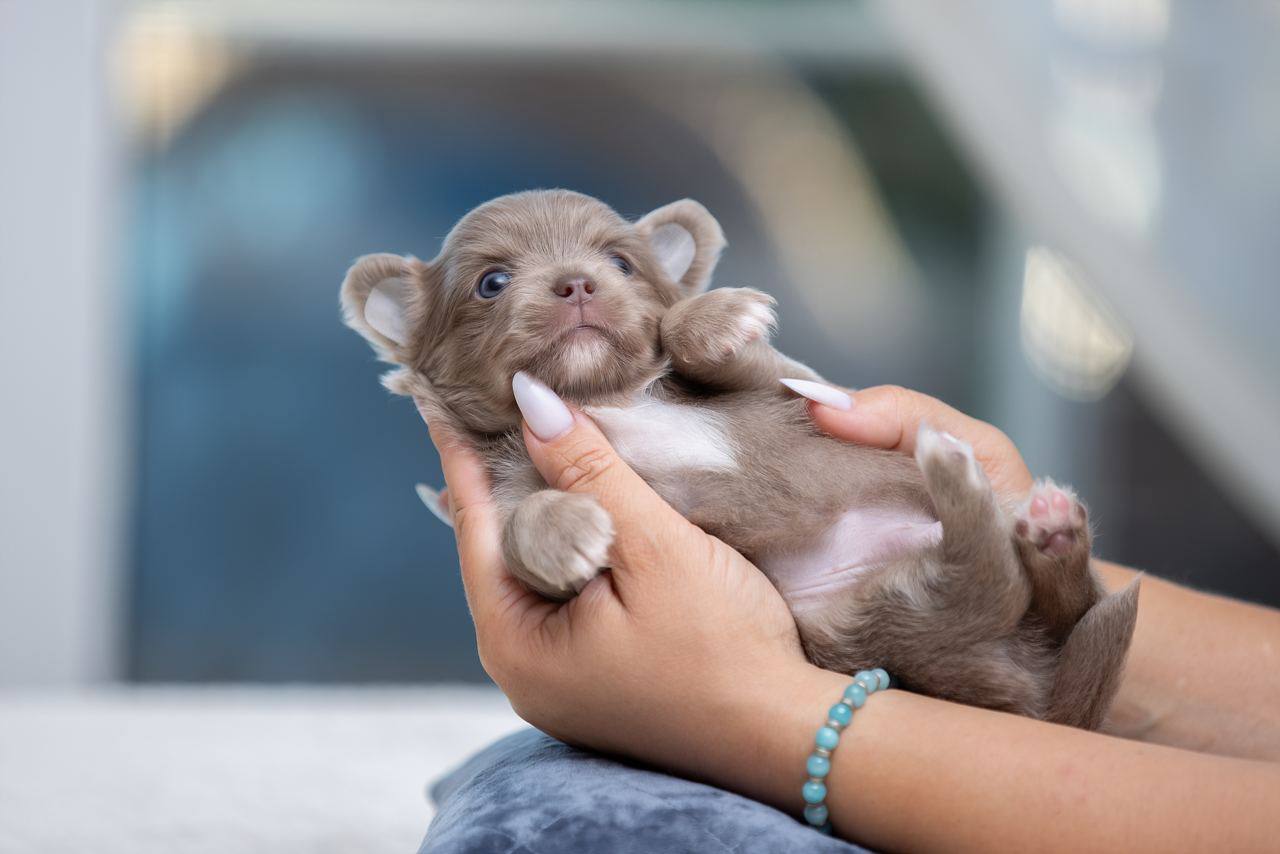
x,y
1004,611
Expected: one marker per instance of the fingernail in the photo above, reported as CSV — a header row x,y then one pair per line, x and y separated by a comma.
x,y
546,414
431,498
824,394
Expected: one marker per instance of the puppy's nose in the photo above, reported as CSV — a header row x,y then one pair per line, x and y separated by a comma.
x,y
575,288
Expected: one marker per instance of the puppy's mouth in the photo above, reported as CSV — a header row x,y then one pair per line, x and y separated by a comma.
x,y
585,330
586,347
586,338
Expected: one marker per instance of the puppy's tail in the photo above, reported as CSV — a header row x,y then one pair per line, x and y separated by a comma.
x,y
1092,661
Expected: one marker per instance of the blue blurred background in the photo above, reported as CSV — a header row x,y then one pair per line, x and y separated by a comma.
x,y
1060,217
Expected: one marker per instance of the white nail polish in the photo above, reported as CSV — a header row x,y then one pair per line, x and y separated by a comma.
x,y
431,498
546,414
824,394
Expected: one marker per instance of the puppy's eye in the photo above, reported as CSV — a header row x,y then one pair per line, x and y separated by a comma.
x,y
621,263
493,283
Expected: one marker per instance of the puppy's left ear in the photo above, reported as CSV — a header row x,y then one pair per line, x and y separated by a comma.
x,y
384,298
686,240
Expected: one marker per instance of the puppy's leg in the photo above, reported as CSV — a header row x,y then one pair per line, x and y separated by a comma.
x,y
555,542
720,339
978,573
1092,661
1053,541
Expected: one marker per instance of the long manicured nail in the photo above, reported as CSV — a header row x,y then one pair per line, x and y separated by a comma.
x,y
546,414
824,394
431,498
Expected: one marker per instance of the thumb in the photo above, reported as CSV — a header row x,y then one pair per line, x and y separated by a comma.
x,y
574,456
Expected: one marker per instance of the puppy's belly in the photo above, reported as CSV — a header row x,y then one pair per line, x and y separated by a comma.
x,y
858,542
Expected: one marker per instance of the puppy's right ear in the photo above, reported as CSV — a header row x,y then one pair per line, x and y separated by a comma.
x,y
383,298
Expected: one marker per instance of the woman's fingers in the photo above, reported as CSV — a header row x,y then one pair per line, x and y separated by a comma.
x,y
573,455
492,593
890,416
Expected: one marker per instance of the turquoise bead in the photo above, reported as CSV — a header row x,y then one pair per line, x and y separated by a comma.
x,y
818,766
816,814
839,716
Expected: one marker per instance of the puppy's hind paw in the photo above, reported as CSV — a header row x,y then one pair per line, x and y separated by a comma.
x,y
946,460
1052,521
1051,536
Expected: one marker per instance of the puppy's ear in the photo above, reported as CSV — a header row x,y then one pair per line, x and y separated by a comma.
x,y
384,299
686,240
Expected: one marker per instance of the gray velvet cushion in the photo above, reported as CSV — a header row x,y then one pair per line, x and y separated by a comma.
x,y
531,793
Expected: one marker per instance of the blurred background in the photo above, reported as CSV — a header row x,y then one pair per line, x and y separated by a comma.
x,y
226,622
1062,217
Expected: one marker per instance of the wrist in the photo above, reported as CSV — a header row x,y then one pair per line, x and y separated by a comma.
x,y
770,732
774,740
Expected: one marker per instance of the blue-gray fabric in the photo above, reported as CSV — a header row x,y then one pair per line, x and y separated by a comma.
x,y
531,794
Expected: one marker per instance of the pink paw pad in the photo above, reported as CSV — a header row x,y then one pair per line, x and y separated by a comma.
x,y
1052,520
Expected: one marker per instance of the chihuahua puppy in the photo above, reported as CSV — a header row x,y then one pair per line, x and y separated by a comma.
x,y
885,561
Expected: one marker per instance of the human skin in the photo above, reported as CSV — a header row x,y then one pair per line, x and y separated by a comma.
x,y
1180,632
685,657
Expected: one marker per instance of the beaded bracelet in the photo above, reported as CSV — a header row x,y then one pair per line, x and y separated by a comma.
x,y
818,766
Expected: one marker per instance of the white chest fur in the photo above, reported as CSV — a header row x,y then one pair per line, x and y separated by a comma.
x,y
654,436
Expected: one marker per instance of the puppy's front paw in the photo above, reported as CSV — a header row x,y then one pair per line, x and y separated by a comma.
x,y
713,327
556,542
1052,522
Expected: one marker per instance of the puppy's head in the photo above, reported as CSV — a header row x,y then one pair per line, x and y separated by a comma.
x,y
550,282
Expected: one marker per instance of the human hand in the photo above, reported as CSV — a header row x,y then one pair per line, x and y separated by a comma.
x,y
890,416
678,656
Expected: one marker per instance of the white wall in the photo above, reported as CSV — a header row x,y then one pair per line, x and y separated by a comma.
x,y
62,498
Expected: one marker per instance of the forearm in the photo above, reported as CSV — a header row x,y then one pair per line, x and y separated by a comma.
x,y
913,773
1203,672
